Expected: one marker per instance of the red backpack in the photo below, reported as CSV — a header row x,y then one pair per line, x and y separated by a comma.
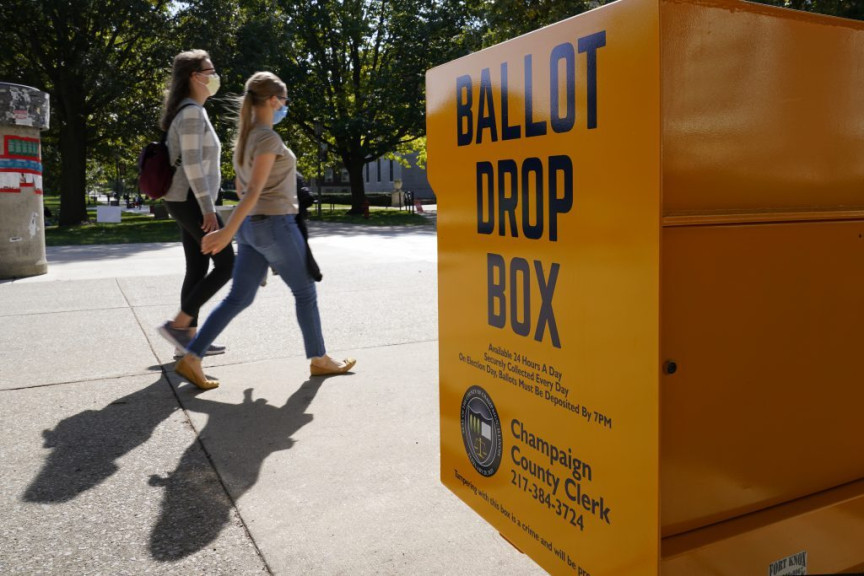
x,y
155,171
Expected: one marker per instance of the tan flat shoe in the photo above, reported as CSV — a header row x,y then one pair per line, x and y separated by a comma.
x,y
332,367
183,369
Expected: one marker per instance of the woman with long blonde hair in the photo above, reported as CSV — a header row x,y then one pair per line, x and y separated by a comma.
x,y
265,223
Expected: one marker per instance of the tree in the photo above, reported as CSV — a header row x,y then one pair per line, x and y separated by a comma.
x,y
842,8
101,61
357,69
506,19
242,37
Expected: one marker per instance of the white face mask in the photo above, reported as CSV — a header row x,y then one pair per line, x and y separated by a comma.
x,y
212,84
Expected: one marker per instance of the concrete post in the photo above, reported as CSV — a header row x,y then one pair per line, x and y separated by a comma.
x,y
23,113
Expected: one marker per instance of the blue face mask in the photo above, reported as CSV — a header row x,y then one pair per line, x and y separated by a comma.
x,y
280,114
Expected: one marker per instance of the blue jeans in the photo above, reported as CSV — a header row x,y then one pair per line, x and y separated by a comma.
x,y
272,241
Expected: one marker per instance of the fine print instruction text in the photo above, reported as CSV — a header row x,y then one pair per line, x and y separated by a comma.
x,y
543,539
536,378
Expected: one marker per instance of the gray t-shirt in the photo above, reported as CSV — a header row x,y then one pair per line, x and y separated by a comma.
x,y
279,195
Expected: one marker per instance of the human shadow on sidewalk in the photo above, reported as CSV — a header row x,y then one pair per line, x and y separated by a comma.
x,y
239,437
86,446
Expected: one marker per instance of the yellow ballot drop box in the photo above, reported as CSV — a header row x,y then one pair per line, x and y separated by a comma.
x,y
651,289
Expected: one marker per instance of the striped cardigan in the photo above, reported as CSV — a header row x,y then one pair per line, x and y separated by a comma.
x,y
192,140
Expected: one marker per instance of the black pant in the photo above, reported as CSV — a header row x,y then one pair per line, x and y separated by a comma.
x,y
198,285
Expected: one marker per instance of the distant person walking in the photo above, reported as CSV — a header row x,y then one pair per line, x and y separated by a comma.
x,y
265,222
193,144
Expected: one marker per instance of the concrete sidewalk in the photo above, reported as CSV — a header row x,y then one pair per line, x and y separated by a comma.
x,y
112,464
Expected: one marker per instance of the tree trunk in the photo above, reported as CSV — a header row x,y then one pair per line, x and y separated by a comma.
x,y
73,154
358,188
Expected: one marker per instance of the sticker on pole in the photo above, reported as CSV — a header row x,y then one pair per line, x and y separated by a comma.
x,y
789,566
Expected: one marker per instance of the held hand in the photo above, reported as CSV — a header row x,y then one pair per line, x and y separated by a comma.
x,y
210,224
215,242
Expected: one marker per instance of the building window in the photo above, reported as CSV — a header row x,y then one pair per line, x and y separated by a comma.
x,y
367,172
328,174
344,175
378,169
391,170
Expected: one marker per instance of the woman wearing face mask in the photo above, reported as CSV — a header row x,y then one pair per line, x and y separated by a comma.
x,y
265,222
195,148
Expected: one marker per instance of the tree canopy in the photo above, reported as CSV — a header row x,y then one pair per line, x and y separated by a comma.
x,y
355,69
99,60
843,8
356,72
506,19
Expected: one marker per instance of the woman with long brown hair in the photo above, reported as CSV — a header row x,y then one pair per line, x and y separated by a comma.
x,y
265,222
195,148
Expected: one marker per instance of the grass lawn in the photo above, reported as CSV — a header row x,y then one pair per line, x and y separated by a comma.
x,y
136,228
132,229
